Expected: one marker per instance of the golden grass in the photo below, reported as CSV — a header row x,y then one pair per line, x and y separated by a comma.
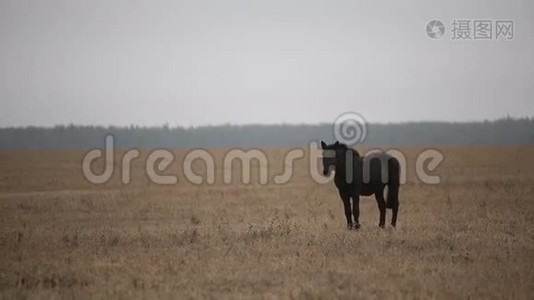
x,y
471,236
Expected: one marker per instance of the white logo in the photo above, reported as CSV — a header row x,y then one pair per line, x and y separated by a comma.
x,y
350,128
435,29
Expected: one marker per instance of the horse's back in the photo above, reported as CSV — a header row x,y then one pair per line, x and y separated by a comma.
x,y
379,168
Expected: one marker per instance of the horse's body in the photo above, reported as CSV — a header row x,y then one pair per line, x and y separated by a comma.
x,y
363,176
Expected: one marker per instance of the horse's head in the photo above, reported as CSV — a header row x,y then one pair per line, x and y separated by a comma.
x,y
334,154
329,156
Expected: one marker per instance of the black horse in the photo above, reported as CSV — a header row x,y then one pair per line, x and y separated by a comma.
x,y
365,176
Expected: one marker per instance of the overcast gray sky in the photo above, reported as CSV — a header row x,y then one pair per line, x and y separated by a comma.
x,y
212,62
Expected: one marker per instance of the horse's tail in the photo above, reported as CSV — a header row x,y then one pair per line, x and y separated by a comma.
x,y
392,197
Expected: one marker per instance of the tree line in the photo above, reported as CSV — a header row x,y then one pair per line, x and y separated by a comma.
x,y
507,131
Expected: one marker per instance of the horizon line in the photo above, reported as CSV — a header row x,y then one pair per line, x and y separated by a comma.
x,y
229,124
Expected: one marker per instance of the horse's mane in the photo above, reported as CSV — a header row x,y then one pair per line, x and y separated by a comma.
x,y
346,148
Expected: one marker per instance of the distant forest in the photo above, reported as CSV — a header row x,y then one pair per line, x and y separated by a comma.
x,y
505,131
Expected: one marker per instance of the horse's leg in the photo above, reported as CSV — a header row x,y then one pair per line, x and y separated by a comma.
x,y
345,197
379,195
393,193
356,210
394,217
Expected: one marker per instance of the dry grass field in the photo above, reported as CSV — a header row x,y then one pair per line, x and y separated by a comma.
x,y
472,236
